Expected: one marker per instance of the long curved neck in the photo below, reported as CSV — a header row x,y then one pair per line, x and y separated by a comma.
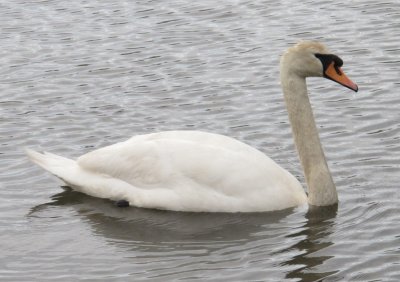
x,y
321,189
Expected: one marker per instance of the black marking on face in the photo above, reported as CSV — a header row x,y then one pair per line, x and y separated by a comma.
x,y
327,59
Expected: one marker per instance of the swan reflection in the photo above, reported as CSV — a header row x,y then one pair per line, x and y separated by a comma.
x,y
149,225
149,234
315,234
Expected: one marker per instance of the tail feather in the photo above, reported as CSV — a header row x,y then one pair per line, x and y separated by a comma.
x,y
82,180
57,165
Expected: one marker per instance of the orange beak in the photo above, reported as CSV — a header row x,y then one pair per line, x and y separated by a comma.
x,y
336,74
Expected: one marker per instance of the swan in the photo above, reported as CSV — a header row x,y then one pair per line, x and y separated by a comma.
x,y
196,171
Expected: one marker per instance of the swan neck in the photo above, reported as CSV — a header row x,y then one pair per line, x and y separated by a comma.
x,y
321,188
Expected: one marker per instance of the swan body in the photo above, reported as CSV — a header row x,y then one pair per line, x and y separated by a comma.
x,y
205,172
182,171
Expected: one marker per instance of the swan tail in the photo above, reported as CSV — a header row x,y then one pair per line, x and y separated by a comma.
x,y
59,166
79,179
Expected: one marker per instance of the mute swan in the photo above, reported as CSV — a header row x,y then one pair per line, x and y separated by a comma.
x,y
204,172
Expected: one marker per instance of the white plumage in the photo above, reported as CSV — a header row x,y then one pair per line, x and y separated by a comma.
x,y
181,171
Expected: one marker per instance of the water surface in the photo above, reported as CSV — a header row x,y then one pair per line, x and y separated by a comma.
x,y
79,75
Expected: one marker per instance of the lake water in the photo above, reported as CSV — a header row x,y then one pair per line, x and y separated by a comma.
x,y
79,75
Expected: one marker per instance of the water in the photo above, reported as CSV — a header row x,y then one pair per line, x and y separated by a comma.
x,y
79,75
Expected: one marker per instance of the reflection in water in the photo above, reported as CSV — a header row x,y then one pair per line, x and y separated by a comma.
x,y
155,226
154,234
317,229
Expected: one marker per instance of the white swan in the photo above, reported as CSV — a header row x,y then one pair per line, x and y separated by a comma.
x,y
205,172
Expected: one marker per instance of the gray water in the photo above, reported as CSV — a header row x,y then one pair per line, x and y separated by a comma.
x,y
79,75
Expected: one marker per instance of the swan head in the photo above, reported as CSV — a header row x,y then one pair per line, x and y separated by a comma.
x,y
310,58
